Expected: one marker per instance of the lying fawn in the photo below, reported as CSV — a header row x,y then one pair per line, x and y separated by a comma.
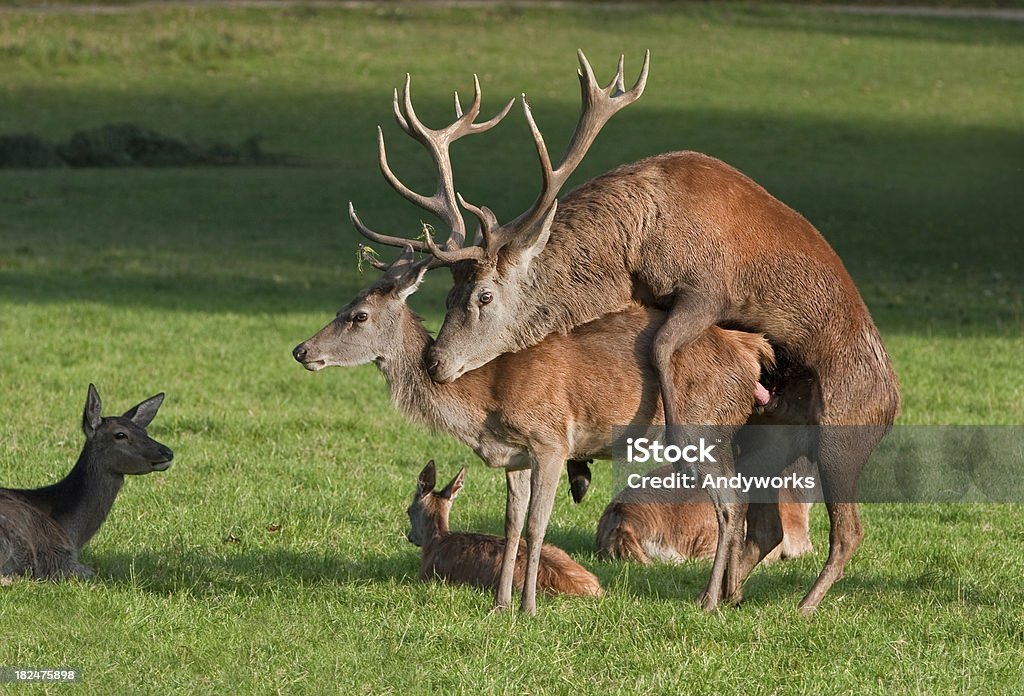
x,y
529,412
467,558
42,530
673,526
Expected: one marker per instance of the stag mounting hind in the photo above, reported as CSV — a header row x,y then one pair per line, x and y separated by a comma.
x,y
694,236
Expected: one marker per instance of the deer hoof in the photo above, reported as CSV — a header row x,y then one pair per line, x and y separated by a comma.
x,y
707,602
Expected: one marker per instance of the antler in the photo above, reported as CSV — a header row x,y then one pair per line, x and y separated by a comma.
x,y
599,105
443,202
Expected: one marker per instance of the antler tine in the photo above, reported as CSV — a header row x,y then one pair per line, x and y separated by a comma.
x,y
398,109
442,202
403,190
448,257
599,105
620,84
475,110
488,220
382,238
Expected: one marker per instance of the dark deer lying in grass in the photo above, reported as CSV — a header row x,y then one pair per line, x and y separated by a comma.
x,y
690,234
475,559
677,525
43,529
529,412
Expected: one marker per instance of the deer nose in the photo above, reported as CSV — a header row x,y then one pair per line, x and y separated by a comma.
x,y
166,453
300,352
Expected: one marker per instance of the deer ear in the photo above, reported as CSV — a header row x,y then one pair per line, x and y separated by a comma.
x,y
92,415
143,414
451,491
410,284
534,241
427,480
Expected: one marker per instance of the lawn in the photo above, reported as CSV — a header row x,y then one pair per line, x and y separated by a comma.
x,y
901,139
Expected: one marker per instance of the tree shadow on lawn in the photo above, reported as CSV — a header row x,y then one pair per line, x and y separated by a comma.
x,y
921,215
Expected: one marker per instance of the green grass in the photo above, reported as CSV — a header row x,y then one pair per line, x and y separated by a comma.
x,y
901,139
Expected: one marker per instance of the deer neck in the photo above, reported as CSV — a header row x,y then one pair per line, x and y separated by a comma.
x,y
557,300
458,408
81,501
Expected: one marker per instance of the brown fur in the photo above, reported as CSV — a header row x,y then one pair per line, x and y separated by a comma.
x,y
529,412
681,525
467,558
689,233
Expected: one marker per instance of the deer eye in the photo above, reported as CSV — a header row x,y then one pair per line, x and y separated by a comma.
x,y
120,435
485,297
360,317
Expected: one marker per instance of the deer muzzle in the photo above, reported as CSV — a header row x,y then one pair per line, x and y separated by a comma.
x,y
440,369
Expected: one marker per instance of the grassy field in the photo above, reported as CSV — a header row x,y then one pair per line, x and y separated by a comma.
x,y
901,139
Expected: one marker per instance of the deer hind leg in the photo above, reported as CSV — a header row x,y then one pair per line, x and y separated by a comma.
x,y
842,453
730,515
730,510
764,522
517,485
689,316
543,486
764,533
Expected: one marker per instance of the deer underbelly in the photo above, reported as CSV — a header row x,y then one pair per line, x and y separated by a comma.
x,y
588,443
501,455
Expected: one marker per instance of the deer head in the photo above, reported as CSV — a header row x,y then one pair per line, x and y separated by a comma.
x,y
367,328
428,514
491,290
120,443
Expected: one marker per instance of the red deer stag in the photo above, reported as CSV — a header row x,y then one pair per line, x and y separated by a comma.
x,y
42,530
475,559
690,234
592,379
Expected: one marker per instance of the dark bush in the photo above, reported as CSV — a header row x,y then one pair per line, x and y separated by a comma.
x,y
128,145
125,145
27,150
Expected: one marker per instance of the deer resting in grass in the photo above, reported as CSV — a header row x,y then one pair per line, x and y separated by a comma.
x,y
677,525
42,530
529,412
475,559
689,234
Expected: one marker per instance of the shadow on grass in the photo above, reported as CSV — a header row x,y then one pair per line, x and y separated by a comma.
x,y
923,217
249,572
199,574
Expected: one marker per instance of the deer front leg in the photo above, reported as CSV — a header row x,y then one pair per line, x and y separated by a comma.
x,y
517,483
546,473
